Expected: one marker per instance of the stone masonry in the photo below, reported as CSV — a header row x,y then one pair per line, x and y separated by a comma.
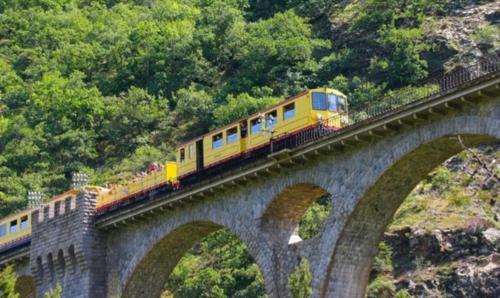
x,y
368,182
67,249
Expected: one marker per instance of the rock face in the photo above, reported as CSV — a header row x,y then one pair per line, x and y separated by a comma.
x,y
458,263
492,236
455,32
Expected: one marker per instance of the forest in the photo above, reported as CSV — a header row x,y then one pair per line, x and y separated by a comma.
x,y
106,87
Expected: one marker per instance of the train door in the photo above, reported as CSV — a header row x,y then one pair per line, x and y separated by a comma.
x,y
243,135
199,155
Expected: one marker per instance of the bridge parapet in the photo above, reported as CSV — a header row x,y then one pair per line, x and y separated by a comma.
x,y
66,248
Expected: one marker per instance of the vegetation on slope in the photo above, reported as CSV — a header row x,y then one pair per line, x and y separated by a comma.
x,y
105,87
441,230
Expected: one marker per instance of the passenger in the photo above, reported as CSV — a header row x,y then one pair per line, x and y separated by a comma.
x,y
153,167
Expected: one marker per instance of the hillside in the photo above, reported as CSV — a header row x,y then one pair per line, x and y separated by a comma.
x,y
445,238
106,87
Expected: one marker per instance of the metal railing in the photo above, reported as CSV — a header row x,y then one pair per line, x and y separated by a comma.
x,y
396,100
435,85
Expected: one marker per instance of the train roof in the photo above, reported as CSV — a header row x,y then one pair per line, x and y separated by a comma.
x,y
16,215
286,100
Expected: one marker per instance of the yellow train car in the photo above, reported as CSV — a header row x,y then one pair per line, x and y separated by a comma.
x,y
14,229
154,178
321,106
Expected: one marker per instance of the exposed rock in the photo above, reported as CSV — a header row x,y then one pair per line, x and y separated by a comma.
x,y
455,32
460,263
464,259
492,237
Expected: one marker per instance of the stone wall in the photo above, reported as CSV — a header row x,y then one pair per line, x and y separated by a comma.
x,y
67,249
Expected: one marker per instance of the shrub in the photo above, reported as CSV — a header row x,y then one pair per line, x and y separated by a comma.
x,y
403,294
54,293
381,287
459,198
383,261
8,283
484,196
300,280
441,179
489,34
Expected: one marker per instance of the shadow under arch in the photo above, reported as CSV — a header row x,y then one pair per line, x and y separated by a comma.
x,y
350,265
152,272
25,287
287,208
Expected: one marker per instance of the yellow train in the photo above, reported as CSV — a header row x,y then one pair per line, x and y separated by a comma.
x,y
254,134
290,123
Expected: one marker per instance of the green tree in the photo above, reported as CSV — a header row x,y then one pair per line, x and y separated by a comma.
x,y
133,119
8,283
193,112
219,266
403,65
300,280
240,106
278,52
312,221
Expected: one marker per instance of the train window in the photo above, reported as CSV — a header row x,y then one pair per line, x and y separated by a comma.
x,y
232,135
255,126
182,154
13,226
271,119
191,151
341,104
3,230
332,102
319,101
217,141
24,222
289,111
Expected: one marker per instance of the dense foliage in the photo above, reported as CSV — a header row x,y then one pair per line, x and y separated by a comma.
x,y
8,283
220,266
106,87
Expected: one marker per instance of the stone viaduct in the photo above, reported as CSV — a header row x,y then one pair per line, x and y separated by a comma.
x,y
368,169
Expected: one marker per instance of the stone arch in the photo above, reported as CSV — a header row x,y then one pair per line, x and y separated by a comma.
x,y
25,286
350,265
283,214
152,272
